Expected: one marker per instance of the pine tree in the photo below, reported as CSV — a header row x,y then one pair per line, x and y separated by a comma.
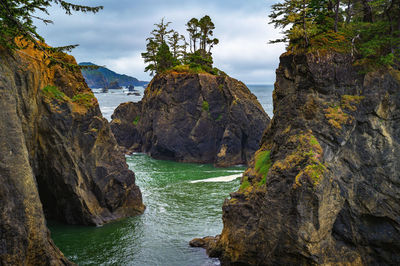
x,y
297,15
161,32
164,58
158,37
150,56
178,45
194,34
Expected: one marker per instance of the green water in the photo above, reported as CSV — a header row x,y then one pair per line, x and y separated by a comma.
x,y
177,211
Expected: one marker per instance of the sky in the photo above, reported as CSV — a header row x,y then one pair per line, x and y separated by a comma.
x,y
116,36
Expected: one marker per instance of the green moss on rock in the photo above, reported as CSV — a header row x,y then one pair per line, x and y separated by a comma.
x,y
262,165
53,93
87,99
206,106
136,120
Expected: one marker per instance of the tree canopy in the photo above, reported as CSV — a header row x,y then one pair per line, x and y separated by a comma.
x,y
17,23
166,48
368,29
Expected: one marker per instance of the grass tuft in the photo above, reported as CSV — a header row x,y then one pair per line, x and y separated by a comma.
x,y
136,120
53,92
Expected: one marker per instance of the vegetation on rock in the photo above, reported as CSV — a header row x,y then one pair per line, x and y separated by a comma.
x,y
166,49
336,115
262,165
52,92
369,30
306,158
136,120
87,99
206,106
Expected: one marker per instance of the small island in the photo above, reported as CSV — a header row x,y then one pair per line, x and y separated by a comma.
x,y
191,111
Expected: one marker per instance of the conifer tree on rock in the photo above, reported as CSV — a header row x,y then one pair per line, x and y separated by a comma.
x,y
201,42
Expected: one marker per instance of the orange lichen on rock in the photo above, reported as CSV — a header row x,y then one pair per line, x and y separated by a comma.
x,y
336,115
306,158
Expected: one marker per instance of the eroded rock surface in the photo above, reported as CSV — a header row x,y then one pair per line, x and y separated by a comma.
x,y
57,157
325,187
193,118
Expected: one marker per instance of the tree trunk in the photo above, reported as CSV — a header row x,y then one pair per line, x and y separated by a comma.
x,y
348,11
367,11
330,6
337,15
387,12
304,23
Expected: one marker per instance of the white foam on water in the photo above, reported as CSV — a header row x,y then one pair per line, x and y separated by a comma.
x,y
227,178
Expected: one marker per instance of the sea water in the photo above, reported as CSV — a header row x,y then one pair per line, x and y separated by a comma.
x,y
183,200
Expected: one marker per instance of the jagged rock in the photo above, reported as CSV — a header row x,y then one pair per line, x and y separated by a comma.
x,y
114,85
133,93
131,88
193,118
209,243
325,187
57,156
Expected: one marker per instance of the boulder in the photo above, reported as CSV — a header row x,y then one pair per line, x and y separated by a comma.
x,y
199,118
114,85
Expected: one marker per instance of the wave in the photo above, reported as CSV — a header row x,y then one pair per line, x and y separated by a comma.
x,y
227,178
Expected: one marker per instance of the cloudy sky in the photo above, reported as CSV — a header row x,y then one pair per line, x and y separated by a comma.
x,y
116,36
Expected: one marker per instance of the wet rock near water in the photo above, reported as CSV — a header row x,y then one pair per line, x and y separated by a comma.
x,y
324,187
198,118
113,85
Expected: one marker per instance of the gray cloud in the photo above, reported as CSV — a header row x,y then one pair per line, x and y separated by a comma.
x,y
115,36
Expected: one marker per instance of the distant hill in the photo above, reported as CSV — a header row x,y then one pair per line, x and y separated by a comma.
x,y
102,77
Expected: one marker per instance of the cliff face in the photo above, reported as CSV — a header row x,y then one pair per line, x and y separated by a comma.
x,y
324,188
193,118
57,157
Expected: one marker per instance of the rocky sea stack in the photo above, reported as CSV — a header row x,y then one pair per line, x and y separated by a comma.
x,y
324,188
58,158
186,117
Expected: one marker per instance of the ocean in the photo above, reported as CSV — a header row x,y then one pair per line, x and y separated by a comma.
x,y
183,200
109,101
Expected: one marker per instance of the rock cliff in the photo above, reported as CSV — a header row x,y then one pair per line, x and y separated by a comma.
x,y
193,118
58,158
325,187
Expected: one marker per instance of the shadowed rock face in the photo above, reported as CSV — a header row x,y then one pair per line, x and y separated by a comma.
x,y
57,157
331,193
193,118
